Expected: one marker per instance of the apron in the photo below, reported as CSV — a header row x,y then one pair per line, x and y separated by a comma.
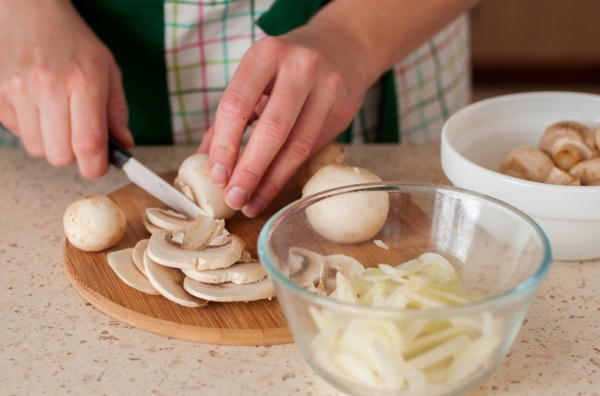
x,y
177,57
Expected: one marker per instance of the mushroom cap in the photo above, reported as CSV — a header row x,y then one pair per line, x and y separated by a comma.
x,y
566,152
349,218
122,264
229,292
572,129
169,282
527,163
163,250
94,223
193,179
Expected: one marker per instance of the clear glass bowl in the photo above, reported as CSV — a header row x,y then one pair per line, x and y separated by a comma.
x,y
499,251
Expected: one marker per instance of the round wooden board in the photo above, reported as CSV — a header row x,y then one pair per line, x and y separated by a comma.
x,y
253,323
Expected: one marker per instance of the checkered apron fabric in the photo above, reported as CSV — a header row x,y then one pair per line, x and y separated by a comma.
x,y
205,40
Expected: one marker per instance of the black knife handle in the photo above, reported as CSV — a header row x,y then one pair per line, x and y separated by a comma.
x,y
117,154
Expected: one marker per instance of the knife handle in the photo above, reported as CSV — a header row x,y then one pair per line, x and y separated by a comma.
x,y
117,154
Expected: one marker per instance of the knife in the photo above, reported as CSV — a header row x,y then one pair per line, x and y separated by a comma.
x,y
149,181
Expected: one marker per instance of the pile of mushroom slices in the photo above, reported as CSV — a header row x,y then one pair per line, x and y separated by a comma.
x,y
191,262
567,154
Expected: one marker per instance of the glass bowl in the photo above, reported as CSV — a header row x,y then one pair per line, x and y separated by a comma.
x,y
500,254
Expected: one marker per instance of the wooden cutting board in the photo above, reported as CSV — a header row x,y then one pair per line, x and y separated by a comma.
x,y
253,323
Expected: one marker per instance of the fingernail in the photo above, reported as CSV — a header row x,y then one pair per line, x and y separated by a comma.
x,y
253,207
236,198
219,174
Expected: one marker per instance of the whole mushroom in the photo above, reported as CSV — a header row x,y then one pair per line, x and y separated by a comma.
x,y
527,163
94,223
350,218
568,142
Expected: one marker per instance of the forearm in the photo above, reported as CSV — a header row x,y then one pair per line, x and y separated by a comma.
x,y
385,31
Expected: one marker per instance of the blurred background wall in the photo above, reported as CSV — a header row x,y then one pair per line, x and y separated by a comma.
x,y
523,45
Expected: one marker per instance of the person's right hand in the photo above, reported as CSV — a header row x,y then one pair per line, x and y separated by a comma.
x,y
60,87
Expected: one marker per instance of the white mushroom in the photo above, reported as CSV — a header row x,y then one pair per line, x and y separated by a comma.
x,y
193,180
239,273
94,223
138,254
169,282
331,153
562,177
168,219
122,264
303,266
332,264
165,251
229,292
568,142
587,171
527,163
349,218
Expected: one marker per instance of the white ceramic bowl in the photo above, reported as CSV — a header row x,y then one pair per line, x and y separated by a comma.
x,y
475,139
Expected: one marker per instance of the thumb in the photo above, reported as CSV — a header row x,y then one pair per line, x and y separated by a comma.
x,y
118,112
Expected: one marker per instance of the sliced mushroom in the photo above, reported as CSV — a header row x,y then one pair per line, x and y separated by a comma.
x,y
527,163
229,292
332,153
122,264
562,177
151,228
332,264
303,266
138,255
587,171
165,251
201,232
168,219
169,282
239,273
193,179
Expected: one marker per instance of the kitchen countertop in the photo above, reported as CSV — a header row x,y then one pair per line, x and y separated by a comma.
x,y
53,342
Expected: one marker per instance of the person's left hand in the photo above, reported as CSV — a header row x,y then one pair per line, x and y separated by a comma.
x,y
305,87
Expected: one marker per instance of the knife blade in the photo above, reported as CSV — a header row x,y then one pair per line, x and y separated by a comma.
x,y
149,181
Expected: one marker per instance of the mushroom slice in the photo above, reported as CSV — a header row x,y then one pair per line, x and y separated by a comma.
x,y
587,171
121,262
348,266
201,232
228,292
168,219
193,180
138,254
239,273
562,177
304,266
164,250
151,228
169,283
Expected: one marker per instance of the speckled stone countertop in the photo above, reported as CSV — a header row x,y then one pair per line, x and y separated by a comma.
x,y
54,342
